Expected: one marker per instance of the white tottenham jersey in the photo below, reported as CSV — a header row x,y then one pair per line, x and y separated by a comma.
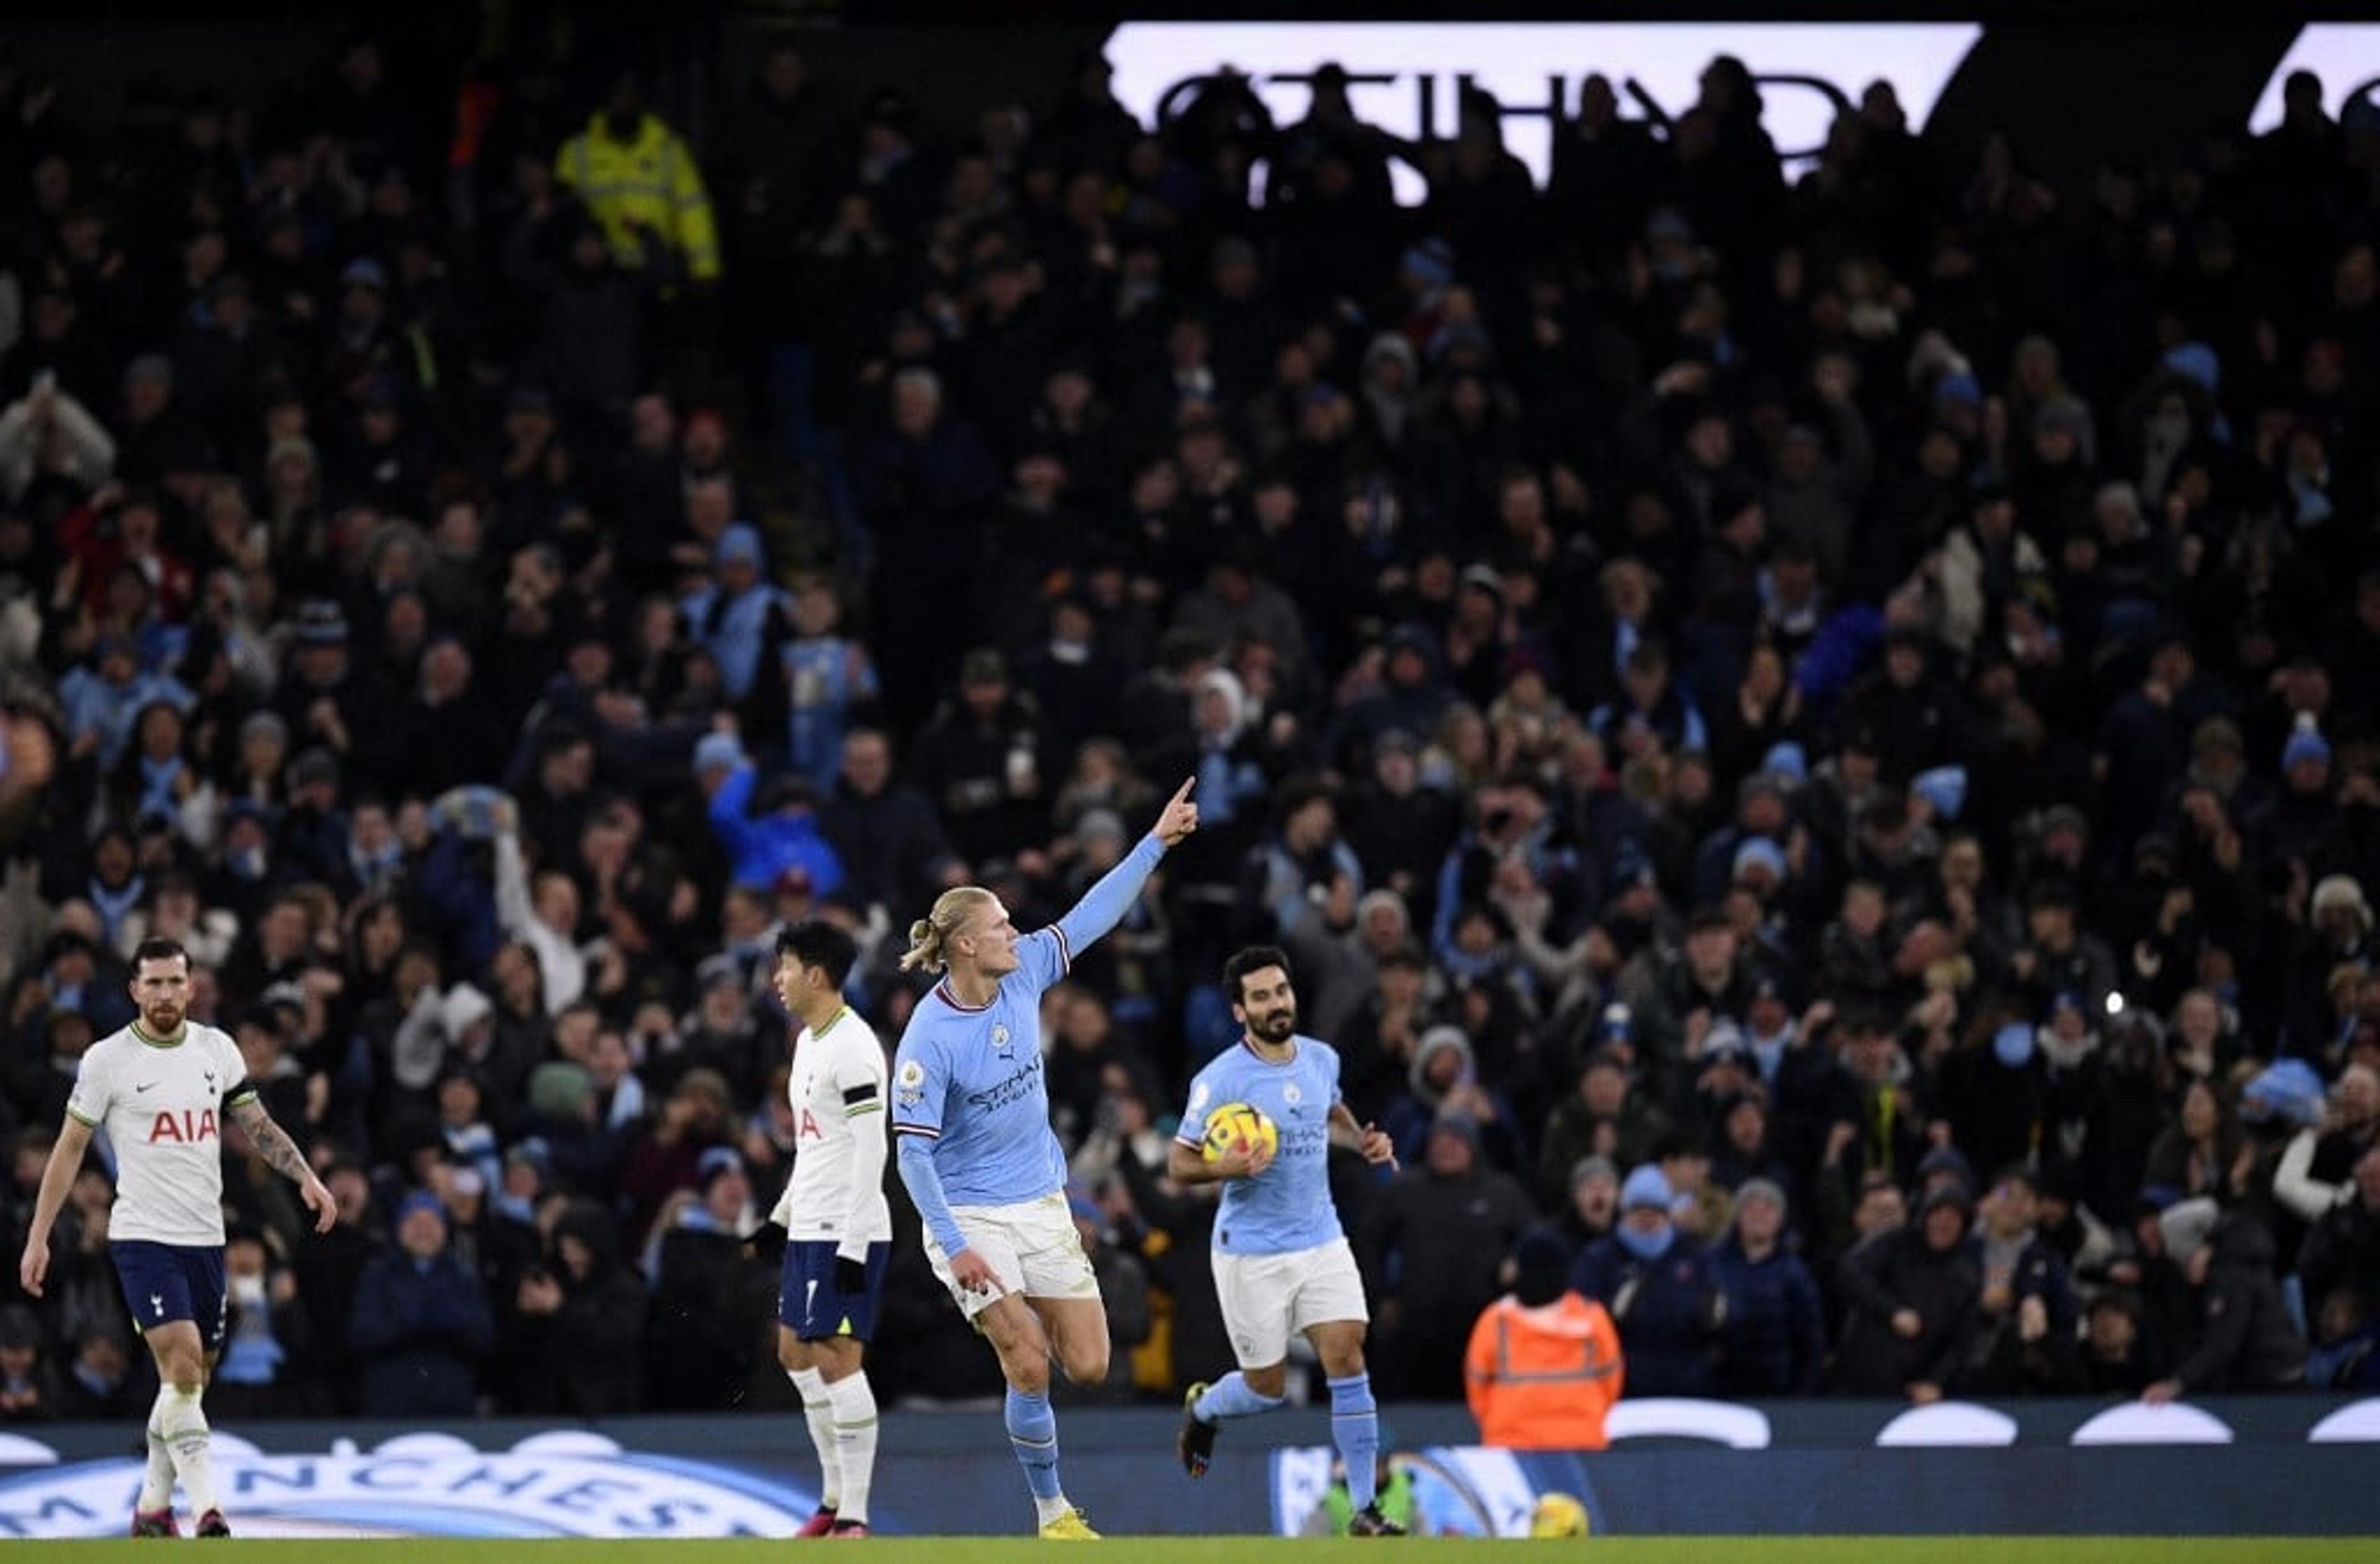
x,y
837,1091
162,1107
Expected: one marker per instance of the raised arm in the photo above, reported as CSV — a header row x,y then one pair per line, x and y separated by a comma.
x,y
1104,905
726,811
58,1177
281,1154
514,913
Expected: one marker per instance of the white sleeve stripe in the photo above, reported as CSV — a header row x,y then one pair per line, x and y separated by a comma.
x,y
1065,952
930,1133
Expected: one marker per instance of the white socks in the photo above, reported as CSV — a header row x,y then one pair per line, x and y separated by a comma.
x,y
184,1424
855,1442
818,1411
157,1477
1048,1509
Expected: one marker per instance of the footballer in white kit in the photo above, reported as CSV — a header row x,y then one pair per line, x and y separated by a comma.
x,y
160,1091
838,1225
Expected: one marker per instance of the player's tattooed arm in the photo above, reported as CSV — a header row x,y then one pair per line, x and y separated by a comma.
x,y
281,1154
272,1142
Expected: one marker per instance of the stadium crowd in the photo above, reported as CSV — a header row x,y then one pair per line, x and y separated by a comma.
x,y
1815,741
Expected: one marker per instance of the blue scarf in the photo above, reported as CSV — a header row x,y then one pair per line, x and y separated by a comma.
x,y
1647,1246
733,628
114,905
1769,1054
157,786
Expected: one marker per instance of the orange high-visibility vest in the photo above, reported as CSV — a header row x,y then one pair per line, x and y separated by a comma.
x,y
1543,1378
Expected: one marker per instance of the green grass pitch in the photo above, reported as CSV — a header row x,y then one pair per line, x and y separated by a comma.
x,y
1233,1550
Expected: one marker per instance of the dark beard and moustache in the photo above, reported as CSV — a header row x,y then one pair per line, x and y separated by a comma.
x,y
1277,1028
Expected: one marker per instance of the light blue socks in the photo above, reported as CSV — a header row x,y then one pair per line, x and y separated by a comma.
x,y
1355,1429
1231,1397
1033,1429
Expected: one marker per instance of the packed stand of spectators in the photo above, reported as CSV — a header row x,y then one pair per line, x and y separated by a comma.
x,y
1816,742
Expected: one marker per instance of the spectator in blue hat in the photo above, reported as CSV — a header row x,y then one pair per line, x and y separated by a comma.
x,y
421,1324
1661,1292
768,829
2304,814
737,612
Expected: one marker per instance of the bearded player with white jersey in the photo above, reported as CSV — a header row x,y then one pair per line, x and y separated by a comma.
x,y
160,1090
838,1228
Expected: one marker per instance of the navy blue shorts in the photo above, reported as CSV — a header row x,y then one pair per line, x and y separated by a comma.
x,y
163,1282
812,1307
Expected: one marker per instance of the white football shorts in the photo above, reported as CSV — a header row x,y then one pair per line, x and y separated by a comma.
x,y
1266,1297
1032,1248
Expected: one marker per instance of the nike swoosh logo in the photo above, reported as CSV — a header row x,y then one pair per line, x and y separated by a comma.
x,y
144,1087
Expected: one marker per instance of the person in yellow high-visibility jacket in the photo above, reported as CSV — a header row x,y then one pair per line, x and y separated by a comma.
x,y
642,184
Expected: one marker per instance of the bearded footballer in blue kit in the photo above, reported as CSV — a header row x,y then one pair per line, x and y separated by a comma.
x,y
1281,1262
971,1118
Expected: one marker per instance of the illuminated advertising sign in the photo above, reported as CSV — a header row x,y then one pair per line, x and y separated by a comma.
x,y
566,1484
2345,56
1406,79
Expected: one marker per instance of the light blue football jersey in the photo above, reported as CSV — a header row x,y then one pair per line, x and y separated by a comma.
x,y
970,1081
1287,1207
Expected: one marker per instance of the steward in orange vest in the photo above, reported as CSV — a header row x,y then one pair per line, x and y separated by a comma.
x,y
1544,1363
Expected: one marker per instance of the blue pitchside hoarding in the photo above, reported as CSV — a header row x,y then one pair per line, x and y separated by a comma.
x,y
2249,1466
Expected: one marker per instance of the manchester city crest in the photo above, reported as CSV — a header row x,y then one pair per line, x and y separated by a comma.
x,y
1000,1038
1291,1095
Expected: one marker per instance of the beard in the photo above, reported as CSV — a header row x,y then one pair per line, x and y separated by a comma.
x,y
1276,1026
